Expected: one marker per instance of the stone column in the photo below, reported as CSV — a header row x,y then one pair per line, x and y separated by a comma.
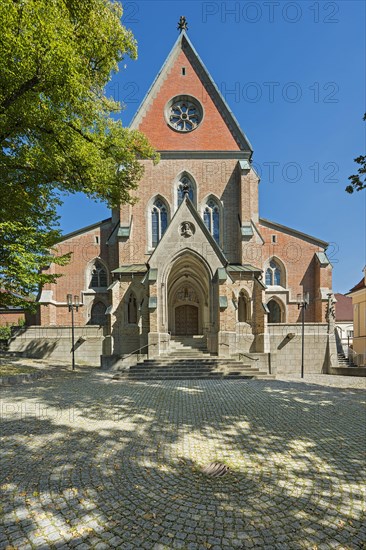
x,y
259,321
332,355
227,320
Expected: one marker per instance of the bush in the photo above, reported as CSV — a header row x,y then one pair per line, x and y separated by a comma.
x,y
5,332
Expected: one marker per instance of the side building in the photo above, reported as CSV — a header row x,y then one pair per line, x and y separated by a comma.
x,y
358,295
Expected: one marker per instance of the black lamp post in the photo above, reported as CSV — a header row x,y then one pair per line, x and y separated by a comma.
x,y
302,302
73,305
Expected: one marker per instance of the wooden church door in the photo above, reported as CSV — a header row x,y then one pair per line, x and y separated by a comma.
x,y
186,320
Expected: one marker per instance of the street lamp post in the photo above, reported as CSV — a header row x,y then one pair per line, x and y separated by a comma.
x,y
302,302
73,305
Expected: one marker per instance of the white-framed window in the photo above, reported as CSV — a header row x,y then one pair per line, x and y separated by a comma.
x,y
275,273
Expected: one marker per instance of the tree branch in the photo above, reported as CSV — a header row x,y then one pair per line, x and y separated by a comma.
x,y
25,87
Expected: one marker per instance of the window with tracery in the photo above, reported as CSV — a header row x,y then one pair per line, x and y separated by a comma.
x,y
185,183
211,217
99,276
132,309
183,113
273,274
159,221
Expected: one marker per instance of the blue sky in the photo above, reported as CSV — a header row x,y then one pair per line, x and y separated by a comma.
x,y
293,73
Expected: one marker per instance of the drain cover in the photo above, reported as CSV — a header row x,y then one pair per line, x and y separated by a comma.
x,y
215,469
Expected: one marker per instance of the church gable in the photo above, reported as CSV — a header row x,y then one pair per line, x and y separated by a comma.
x,y
184,90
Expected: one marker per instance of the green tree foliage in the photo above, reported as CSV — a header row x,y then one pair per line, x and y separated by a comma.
x,y
358,181
57,135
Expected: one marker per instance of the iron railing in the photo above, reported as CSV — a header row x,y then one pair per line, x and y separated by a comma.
x,y
248,356
135,352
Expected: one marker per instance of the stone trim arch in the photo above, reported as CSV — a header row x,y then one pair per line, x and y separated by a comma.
x,y
282,269
244,307
188,270
92,312
89,271
180,254
282,310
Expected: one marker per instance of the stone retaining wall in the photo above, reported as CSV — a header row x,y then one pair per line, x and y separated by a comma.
x,y
320,353
55,343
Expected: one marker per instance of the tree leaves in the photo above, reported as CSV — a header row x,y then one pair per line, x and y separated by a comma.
x,y
56,133
358,181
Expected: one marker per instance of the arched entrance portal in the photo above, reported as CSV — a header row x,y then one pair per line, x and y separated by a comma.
x,y
188,296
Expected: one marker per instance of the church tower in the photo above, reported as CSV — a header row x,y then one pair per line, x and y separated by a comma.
x,y
193,220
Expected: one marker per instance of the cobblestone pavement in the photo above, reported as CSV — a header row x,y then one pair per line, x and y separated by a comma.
x,y
92,463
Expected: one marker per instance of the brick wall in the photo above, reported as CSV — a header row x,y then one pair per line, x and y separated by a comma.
x,y
75,276
211,135
302,270
217,177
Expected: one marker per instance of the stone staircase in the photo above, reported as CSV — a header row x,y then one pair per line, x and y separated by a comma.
x,y
188,359
344,361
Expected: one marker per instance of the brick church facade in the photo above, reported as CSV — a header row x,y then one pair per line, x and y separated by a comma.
x,y
192,256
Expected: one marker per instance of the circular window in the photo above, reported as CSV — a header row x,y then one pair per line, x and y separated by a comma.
x,y
183,113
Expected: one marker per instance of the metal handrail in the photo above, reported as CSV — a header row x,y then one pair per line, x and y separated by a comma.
x,y
248,356
135,351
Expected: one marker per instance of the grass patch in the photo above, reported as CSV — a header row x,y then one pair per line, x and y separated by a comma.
x,y
11,370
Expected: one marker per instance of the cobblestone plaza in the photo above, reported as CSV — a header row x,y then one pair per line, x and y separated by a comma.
x,y
88,462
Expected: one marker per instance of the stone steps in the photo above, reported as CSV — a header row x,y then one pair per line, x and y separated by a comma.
x,y
192,369
189,368
188,359
343,361
213,376
204,360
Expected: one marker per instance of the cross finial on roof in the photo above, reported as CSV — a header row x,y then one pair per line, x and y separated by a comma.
x,y
182,24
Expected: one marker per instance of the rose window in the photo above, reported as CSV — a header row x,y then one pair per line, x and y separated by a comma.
x,y
183,115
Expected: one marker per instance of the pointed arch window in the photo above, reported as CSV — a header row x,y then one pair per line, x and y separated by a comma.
x,y
243,307
273,274
211,217
99,277
275,312
97,314
132,309
185,182
159,221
